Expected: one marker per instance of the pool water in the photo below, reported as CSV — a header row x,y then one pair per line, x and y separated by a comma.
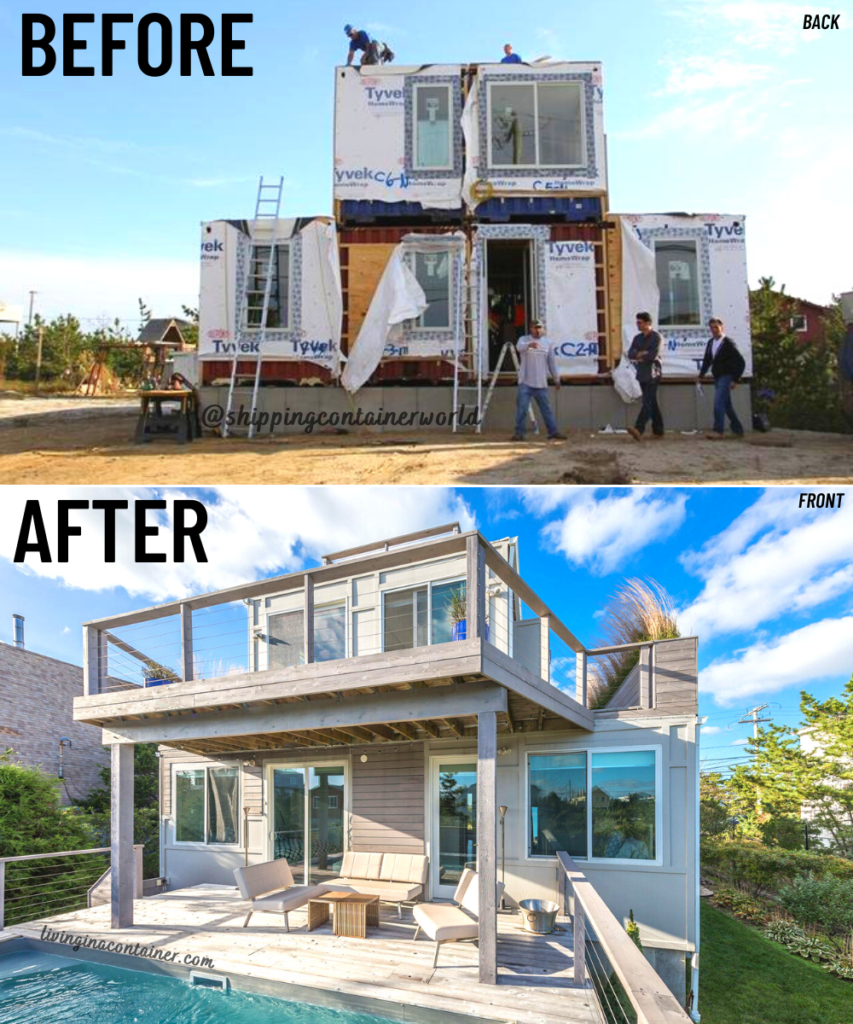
x,y
40,988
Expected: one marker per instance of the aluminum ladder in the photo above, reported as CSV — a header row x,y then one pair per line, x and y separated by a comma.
x,y
264,234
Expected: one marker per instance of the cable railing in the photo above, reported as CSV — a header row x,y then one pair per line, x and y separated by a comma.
x,y
629,989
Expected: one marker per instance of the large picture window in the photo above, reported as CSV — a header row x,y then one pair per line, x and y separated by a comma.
x,y
557,804
423,615
677,266
207,803
536,124
594,804
433,135
278,312
286,640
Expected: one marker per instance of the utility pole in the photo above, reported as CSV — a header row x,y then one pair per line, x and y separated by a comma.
x,y
756,711
38,356
32,297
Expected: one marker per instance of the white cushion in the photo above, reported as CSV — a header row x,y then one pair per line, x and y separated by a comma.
x,y
392,892
288,899
257,879
445,923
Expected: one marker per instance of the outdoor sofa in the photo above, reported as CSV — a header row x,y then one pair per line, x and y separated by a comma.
x,y
393,877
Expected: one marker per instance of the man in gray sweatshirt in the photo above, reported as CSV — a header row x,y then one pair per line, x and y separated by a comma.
x,y
537,362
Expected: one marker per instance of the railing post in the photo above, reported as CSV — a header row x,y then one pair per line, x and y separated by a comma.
x,y
487,864
93,659
138,850
475,595
581,674
579,944
308,620
186,642
2,893
646,683
545,648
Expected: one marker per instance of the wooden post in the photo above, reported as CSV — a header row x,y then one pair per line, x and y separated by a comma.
x,y
39,356
186,642
122,860
646,695
581,671
2,893
475,597
487,861
579,945
92,641
138,873
545,648
308,623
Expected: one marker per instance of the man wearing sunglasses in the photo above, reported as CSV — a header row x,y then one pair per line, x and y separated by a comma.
x,y
537,362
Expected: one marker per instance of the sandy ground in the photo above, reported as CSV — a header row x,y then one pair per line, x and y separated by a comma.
x,y
51,444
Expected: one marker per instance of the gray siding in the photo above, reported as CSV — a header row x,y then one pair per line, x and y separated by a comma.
x,y
388,798
628,694
675,685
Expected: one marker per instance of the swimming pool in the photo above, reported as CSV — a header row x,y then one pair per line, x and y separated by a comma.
x,y
41,988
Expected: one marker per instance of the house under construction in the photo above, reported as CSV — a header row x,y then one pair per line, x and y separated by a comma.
x,y
468,200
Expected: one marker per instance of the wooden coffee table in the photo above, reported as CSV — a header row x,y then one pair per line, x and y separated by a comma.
x,y
354,913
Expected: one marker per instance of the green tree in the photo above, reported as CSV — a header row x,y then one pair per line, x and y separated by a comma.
x,y
797,384
714,806
32,821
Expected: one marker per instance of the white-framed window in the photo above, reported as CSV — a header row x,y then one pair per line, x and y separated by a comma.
x,y
433,271
599,804
278,311
677,266
799,323
536,124
433,128
421,615
286,638
207,805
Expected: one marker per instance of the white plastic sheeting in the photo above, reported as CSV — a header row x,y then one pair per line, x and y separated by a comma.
x,y
639,283
571,304
398,298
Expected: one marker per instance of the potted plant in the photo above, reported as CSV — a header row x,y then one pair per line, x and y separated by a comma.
x,y
457,609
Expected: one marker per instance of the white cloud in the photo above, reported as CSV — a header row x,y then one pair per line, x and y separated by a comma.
x,y
821,650
707,72
774,559
753,24
710,730
742,742
252,532
604,532
66,629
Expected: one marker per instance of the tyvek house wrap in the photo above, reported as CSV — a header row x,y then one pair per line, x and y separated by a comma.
x,y
315,307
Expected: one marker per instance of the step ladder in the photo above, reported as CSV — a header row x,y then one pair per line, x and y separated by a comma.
x,y
261,268
508,349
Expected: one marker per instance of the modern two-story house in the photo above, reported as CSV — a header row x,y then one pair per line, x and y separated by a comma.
x,y
413,696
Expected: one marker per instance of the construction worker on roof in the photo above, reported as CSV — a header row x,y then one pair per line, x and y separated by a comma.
x,y
360,40
509,57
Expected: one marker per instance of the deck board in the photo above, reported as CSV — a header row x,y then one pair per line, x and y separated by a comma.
x,y
534,971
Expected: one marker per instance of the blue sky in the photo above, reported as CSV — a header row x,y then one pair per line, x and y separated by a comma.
x,y
710,106
766,586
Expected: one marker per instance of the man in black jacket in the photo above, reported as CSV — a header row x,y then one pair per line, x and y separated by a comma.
x,y
644,353
726,365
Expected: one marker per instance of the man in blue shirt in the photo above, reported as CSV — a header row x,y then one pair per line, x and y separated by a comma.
x,y
360,40
509,57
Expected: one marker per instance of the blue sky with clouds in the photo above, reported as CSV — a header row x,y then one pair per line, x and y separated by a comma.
x,y
765,585
710,106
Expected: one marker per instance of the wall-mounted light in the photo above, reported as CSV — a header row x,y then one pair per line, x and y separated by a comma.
x,y
363,758
250,763
63,743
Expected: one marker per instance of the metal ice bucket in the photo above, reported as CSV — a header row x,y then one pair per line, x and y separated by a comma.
x,y
538,916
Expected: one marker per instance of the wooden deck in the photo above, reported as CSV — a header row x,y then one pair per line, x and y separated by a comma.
x,y
535,971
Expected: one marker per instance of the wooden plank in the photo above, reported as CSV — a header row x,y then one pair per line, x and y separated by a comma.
x,y
487,743
545,648
367,262
613,257
91,661
475,588
402,706
406,538
651,999
122,859
308,620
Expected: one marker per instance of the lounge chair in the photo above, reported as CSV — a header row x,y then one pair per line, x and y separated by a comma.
x,y
270,888
445,923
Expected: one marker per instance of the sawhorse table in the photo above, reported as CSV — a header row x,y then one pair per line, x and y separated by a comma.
x,y
154,423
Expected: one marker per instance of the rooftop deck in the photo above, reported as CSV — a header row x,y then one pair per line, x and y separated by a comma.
x,y
385,973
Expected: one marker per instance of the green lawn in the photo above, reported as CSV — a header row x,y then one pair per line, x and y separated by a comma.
x,y
747,979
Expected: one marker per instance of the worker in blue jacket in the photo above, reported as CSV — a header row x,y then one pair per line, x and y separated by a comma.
x,y
509,57
360,40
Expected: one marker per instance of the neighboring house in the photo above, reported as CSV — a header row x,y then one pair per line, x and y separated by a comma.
x,y
809,321
810,743
162,339
35,715
351,715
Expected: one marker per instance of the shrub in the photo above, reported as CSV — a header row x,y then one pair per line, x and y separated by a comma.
x,y
740,904
783,931
812,947
766,869
824,902
633,929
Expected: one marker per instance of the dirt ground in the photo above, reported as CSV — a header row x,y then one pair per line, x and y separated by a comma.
x,y
61,447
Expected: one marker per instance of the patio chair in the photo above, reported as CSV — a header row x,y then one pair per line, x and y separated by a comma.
x,y
269,887
445,923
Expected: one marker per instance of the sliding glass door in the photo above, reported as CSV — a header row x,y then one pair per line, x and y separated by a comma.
x,y
454,822
307,819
